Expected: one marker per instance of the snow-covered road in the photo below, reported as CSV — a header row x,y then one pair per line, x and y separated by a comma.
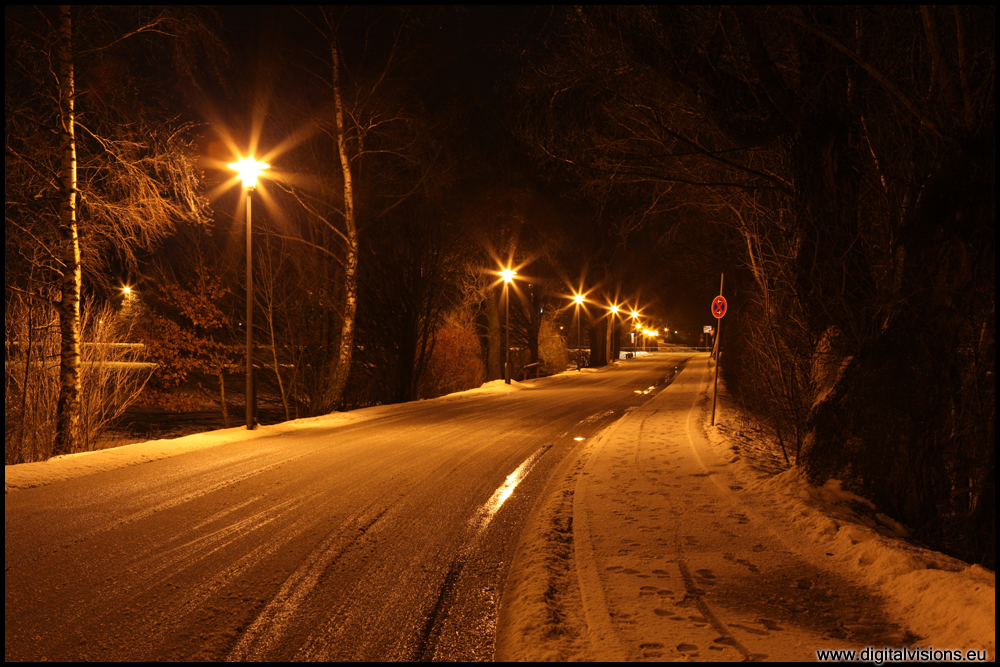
x,y
386,536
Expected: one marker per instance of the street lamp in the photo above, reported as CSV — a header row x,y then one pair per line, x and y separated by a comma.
x,y
578,299
611,347
508,277
249,169
635,316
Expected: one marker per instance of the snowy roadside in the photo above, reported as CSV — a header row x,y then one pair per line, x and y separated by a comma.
x,y
72,466
946,602
628,536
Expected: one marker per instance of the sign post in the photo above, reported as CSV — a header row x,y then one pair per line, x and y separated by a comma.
x,y
719,307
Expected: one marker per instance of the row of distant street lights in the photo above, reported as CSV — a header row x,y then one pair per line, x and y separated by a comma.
x,y
508,274
249,169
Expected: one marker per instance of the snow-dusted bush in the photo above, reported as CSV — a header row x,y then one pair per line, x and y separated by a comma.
x,y
111,377
552,350
455,363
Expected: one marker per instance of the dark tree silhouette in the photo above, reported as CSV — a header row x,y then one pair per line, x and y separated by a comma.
x,y
850,154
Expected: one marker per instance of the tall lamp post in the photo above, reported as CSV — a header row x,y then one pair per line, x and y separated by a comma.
x,y
249,169
635,322
611,346
578,299
508,277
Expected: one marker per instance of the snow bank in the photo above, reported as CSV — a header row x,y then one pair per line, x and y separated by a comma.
x,y
492,387
71,466
947,602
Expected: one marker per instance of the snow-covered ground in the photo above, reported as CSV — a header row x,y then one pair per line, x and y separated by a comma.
x,y
668,538
72,466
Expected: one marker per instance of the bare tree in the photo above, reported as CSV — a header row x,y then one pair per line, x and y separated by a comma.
x,y
90,176
842,148
373,156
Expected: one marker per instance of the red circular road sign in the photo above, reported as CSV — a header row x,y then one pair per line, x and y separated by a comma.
x,y
719,307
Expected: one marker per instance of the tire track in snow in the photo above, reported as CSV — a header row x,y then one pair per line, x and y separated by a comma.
x,y
426,648
270,624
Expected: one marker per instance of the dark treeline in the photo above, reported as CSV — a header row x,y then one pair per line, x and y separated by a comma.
x,y
394,198
845,158
837,164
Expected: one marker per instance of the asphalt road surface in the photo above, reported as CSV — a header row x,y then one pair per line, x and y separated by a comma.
x,y
388,539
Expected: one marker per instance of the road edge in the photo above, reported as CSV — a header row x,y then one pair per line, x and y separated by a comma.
x,y
544,612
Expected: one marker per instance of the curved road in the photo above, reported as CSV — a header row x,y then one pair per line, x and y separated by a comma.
x,y
388,539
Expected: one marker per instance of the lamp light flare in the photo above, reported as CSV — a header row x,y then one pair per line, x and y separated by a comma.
x,y
508,275
578,298
614,310
249,169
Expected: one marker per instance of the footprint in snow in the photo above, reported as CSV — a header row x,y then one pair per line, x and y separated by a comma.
x,y
746,628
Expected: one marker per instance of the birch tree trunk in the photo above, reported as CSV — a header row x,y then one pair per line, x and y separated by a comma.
x,y
68,407
338,376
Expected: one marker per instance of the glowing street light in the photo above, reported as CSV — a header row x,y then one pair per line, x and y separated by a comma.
x,y
635,320
249,169
578,299
508,277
